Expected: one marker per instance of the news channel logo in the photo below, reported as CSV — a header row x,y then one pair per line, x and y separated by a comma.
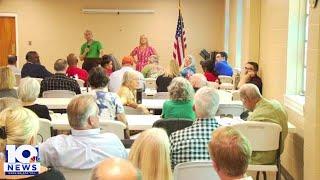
x,y
22,160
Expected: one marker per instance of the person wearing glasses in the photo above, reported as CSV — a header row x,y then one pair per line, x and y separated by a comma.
x,y
250,75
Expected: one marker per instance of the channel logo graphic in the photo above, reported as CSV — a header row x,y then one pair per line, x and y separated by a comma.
x,y
22,160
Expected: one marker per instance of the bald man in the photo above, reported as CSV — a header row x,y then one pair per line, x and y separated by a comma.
x,y
115,169
264,110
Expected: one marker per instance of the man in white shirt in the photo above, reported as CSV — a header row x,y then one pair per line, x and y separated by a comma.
x,y
117,76
86,146
12,64
230,152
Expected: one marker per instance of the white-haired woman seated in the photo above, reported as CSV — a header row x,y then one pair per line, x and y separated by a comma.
x,y
181,100
150,153
153,69
20,126
28,92
127,91
188,67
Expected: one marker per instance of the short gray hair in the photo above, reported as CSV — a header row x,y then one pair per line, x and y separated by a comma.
x,y
60,65
29,89
80,108
250,91
206,102
180,89
154,59
198,80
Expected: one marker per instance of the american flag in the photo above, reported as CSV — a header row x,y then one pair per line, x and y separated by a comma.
x,y
180,41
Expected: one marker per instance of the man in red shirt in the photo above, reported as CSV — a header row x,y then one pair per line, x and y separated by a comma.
x,y
73,70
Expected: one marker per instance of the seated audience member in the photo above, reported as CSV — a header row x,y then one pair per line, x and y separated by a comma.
x,y
21,127
59,81
115,169
7,83
127,91
33,68
150,152
208,70
250,75
7,102
107,64
109,103
86,146
164,80
198,81
264,110
181,100
73,70
222,67
28,91
230,152
117,76
153,69
12,64
191,143
188,67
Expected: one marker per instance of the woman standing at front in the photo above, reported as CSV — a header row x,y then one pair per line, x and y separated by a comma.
x,y
142,53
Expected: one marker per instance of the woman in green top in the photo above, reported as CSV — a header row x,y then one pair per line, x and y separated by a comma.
x,y
181,100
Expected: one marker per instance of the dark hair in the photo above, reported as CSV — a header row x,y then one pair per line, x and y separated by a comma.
x,y
223,54
60,65
12,59
207,66
106,59
255,65
98,78
32,56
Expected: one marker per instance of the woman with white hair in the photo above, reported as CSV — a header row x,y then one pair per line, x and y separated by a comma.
x,y
181,100
188,67
127,91
19,126
150,153
28,92
153,69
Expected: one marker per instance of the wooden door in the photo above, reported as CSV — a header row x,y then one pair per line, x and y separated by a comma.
x,y
7,39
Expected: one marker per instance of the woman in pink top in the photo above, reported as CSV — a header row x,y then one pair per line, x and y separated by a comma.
x,y
142,53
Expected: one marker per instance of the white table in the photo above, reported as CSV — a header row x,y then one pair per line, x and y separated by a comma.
x,y
143,122
135,122
62,103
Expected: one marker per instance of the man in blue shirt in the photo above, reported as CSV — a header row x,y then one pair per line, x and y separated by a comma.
x,y
221,65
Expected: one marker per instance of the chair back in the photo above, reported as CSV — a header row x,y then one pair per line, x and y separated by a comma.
x,y
132,111
236,96
225,79
58,94
199,170
80,82
172,125
79,174
233,109
115,127
151,83
44,130
263,136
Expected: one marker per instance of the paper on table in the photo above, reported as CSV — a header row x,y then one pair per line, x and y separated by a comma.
x,y
226,121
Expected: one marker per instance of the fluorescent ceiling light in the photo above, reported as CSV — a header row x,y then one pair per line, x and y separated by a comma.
x,y
118,11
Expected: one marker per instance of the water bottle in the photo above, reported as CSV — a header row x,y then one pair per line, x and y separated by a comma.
x,y
139,96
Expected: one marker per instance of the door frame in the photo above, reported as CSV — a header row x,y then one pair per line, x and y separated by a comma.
x,y
15,15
